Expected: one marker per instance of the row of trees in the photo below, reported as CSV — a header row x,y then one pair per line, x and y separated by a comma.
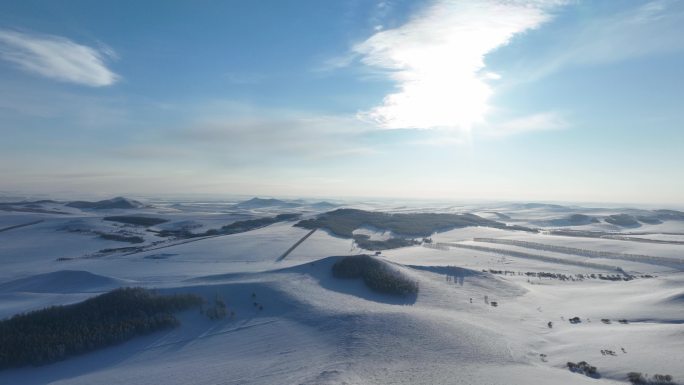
x,y
543,258
584,252
121,237
569,277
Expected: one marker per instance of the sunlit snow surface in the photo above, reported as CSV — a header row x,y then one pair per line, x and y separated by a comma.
x,y
316,329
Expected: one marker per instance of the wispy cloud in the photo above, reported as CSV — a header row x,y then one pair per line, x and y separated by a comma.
x,y
437,61
649,28
58,58
654,27
228,133
267,138
24,108
543,121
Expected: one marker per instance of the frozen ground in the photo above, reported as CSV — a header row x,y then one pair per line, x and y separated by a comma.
x,y
316,329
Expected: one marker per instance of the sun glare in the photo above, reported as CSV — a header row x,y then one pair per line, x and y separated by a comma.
x,y
437,61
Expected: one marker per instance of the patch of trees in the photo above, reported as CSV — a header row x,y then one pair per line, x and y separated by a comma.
x,y
581,219
584,368
572,220
216,310
649,220
233,228
623,220
343,222
57,332
642,379
377,275
364,242
135,220
121,237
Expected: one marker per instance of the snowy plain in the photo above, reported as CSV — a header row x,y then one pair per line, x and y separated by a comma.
x,y
317,329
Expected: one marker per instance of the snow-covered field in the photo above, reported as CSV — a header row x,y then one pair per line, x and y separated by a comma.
x,y
317,329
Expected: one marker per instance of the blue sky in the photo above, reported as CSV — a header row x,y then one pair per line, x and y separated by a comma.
x,y
490,99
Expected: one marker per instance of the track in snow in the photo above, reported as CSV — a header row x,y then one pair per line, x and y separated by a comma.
x,y
21,225
299,242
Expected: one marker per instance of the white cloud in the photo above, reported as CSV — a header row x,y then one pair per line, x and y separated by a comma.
x,y
57,58
437,61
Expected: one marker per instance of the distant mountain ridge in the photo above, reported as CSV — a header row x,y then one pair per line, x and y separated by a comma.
x,y
256,203
62,281
548,206
114,203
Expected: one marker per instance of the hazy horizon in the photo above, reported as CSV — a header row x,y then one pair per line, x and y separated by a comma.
x,y
67,196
